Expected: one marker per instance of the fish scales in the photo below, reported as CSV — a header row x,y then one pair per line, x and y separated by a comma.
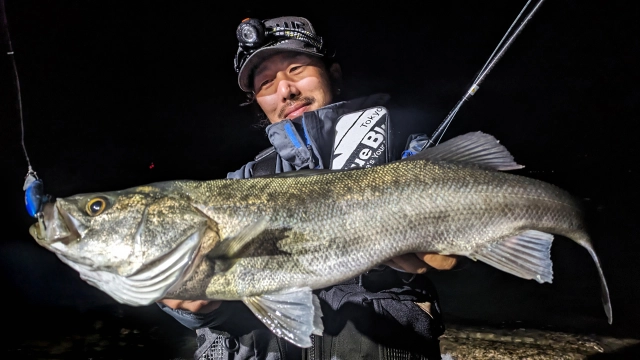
x,y
335,229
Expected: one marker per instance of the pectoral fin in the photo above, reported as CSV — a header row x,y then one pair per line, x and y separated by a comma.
x,y
232,247
527,255
293,315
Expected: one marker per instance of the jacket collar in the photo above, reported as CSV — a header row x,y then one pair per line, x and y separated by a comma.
x,y
307,141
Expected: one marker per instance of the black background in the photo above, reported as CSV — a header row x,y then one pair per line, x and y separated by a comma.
x,y
111,88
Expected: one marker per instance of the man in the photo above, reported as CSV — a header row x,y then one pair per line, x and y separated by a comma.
x,y
286,70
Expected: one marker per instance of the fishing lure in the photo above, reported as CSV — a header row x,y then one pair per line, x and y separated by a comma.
x,y
34,196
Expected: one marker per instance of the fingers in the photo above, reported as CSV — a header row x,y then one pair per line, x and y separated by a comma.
x,y
437,261
195,306
409,263
419,263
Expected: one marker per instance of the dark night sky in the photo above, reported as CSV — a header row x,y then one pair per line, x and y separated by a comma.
x,y
111,87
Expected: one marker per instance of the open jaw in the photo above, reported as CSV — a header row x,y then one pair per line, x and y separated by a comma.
x,y
147,284
54,229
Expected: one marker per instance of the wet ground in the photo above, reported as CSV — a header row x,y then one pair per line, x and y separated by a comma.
x,y
114,332
484,342
116,335
459,342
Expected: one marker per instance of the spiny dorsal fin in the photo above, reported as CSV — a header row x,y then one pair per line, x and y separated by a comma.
x,y
471,148
293,315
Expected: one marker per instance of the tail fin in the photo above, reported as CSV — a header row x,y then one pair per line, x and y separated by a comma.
x,y
604,290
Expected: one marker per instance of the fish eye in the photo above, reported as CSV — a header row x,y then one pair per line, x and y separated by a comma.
x,y
96,206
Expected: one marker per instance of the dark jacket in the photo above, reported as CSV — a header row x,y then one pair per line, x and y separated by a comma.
x,y
379,315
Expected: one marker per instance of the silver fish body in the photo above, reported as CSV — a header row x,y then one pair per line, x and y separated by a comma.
x,y
269,241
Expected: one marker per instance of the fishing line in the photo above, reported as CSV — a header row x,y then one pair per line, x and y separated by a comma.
x,y
482,74
19,93
5,28
33,187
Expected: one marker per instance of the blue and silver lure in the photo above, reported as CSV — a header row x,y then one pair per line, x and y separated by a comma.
x,y
34,197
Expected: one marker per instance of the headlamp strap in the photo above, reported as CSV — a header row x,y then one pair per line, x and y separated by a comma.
x,y
302,35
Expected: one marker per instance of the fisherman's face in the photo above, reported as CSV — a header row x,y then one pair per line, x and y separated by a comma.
x,y
289,84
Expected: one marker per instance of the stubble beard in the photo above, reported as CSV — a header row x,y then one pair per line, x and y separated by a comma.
x,y
306,100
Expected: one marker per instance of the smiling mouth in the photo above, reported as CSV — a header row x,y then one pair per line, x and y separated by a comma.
x,y
294,109
296,106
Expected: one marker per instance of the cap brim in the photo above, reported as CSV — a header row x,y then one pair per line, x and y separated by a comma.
x,y
263,54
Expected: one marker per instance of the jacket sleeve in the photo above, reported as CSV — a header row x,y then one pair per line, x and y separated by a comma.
x,y
244,172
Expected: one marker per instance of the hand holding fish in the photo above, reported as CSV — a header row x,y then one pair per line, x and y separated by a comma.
x,y
419,263
195,306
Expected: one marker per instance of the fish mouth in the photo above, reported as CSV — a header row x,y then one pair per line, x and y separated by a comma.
x,y
54,226
56,229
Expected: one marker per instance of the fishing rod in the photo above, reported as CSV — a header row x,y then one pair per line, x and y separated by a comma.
x,y
33,187
488,66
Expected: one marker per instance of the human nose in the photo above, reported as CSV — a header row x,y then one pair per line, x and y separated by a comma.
x,y
287,89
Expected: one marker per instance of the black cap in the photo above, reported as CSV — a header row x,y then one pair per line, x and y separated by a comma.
x,y
287,33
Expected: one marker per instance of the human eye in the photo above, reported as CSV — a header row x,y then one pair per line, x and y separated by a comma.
x,y
266,82
263,83
295,69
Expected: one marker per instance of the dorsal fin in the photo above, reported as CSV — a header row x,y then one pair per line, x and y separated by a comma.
x,y
472,148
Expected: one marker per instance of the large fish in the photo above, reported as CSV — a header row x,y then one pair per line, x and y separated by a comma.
x,y
270,241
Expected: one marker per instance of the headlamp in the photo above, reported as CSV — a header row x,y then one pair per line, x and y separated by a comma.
x,y
250,34
253,35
